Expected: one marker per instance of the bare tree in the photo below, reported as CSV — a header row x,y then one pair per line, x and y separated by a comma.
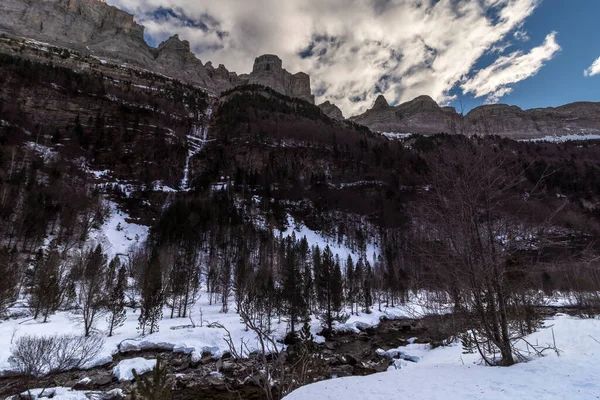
x,y
472,230
91,296
279,371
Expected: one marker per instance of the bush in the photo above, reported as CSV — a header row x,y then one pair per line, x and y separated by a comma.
x,y
44,355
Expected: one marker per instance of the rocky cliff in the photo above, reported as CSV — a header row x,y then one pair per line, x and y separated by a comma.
x,y
511,121
423,115
332,111
93,27
268,71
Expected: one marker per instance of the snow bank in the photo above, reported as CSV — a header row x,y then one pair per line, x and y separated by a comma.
x,y
64,393
123,371
446,373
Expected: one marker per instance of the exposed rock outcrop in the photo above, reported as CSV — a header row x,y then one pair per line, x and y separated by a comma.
x,y
84,25
332,111
423,115
268,71
513,122
95,28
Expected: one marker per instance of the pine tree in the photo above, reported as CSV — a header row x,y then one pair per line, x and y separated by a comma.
x,y
8,272
349,283
152,297
316,263
337,288
330,288
116,300
159,388
307,277
358,284
293,293
367,288
46,293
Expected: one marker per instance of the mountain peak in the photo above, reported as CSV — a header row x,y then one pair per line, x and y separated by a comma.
x,y
380,103
424,98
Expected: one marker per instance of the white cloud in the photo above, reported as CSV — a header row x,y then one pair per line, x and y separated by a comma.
x,y
594,69
496,80
401,48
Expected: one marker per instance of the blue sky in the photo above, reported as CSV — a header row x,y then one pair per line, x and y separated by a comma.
x,y
561,80
530,53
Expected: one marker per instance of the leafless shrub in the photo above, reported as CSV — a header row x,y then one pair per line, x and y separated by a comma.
x,y
277,371
43,355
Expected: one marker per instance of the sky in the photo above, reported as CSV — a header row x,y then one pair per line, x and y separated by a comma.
x,y
463,53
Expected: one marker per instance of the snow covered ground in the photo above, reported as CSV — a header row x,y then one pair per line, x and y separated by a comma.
x,y
396,136
565,138
177,334
117,235
315,238
446,373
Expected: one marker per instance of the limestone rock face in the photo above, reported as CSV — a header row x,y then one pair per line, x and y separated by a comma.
x,y
93,27
268,71
423,115
84,25
332,111
511,121
175,58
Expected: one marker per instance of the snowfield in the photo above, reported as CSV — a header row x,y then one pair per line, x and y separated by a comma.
x,y
446,373
176,334
315,238
117,235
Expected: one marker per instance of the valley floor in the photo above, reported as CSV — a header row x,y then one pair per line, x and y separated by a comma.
x,y
446,373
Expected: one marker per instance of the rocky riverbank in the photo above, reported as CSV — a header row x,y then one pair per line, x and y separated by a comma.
x,y
227,378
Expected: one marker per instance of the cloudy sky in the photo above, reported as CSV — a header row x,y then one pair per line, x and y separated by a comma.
x,y
531,53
